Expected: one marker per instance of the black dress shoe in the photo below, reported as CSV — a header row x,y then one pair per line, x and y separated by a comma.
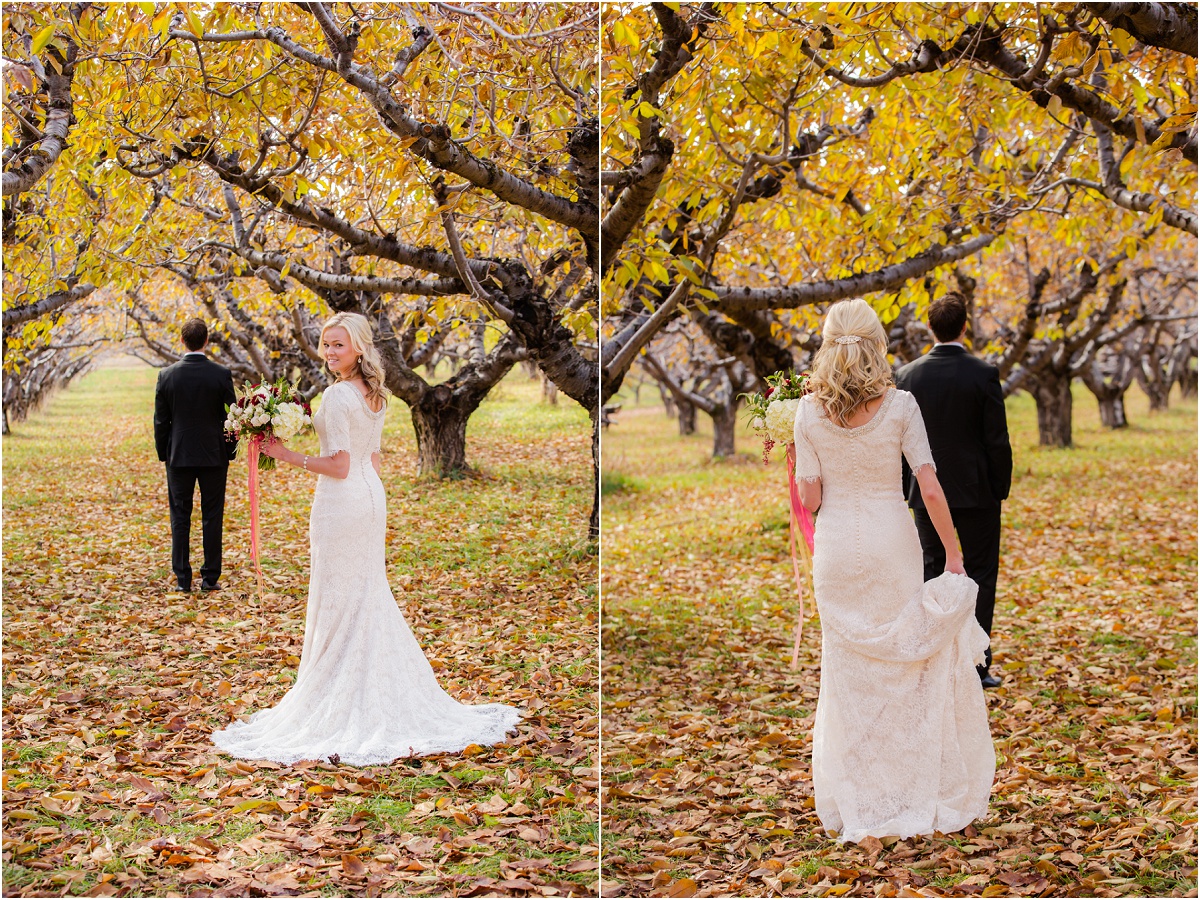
x,y
185,586
205,586
987,679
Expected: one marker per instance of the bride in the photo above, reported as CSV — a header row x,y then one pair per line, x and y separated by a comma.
x,y
364,691
901,742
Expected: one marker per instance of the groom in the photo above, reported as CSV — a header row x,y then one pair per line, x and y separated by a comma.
x,y
189,434
962,404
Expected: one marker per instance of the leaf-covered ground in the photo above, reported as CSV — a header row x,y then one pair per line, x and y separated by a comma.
x,y
707,745
113,681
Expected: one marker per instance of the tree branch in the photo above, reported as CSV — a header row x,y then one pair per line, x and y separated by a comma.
x,y
53,141
18,315
732,299
1171,26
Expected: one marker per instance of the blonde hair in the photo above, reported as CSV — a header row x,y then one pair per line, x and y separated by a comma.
x,y
846,375
369,366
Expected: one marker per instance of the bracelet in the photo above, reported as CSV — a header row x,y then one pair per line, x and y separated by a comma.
x,y
306,464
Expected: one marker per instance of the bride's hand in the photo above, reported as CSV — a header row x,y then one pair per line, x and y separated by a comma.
x,y
272,446
955,565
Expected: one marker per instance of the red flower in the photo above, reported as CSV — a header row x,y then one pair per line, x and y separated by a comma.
x,y
767,445
770,391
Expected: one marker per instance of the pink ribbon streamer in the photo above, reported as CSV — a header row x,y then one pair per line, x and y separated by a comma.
x,y
800,520
254,449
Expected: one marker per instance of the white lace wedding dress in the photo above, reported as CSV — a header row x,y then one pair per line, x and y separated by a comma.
x,y
364,690
901,742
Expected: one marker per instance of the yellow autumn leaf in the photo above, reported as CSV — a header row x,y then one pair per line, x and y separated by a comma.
x,y
41,40
194,24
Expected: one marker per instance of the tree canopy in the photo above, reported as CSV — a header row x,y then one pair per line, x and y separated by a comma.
x,y
763,159
433,166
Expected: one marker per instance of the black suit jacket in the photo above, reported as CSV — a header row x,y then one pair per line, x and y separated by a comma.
x,y
962,404
189,413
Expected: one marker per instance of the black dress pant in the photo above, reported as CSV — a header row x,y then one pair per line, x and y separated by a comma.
x,y
979,535
181,485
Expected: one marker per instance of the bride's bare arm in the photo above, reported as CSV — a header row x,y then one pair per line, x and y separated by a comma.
x,y
939,515
810,494
336,466
377,462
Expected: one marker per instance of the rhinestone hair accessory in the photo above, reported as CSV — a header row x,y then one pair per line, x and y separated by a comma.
x,y
847,339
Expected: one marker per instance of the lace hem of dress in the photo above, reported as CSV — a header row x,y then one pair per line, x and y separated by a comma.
x,y
493,724
808,479
924,465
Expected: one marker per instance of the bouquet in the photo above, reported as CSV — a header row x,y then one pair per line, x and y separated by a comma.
x,y
773,415
267,410
773,412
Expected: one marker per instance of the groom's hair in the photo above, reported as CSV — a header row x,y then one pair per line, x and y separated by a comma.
x,y
947,316
194,334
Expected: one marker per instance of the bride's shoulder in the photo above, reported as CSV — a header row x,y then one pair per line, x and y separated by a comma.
x,y
338,392
904,400
810,409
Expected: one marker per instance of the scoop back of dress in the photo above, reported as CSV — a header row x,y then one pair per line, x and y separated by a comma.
x,y
901,742
364,689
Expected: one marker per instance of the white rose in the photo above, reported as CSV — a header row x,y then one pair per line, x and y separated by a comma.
x,y
781,420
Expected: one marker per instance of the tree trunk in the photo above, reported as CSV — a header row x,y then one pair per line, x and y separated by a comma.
x,y
1112,410
724,429
549,391
686,413
1052,394
1151,378
1159,394
440,424
1187,382
668,401
1109,396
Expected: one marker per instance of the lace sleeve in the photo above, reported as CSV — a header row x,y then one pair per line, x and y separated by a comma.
x,y
914,442
808,466
337,419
